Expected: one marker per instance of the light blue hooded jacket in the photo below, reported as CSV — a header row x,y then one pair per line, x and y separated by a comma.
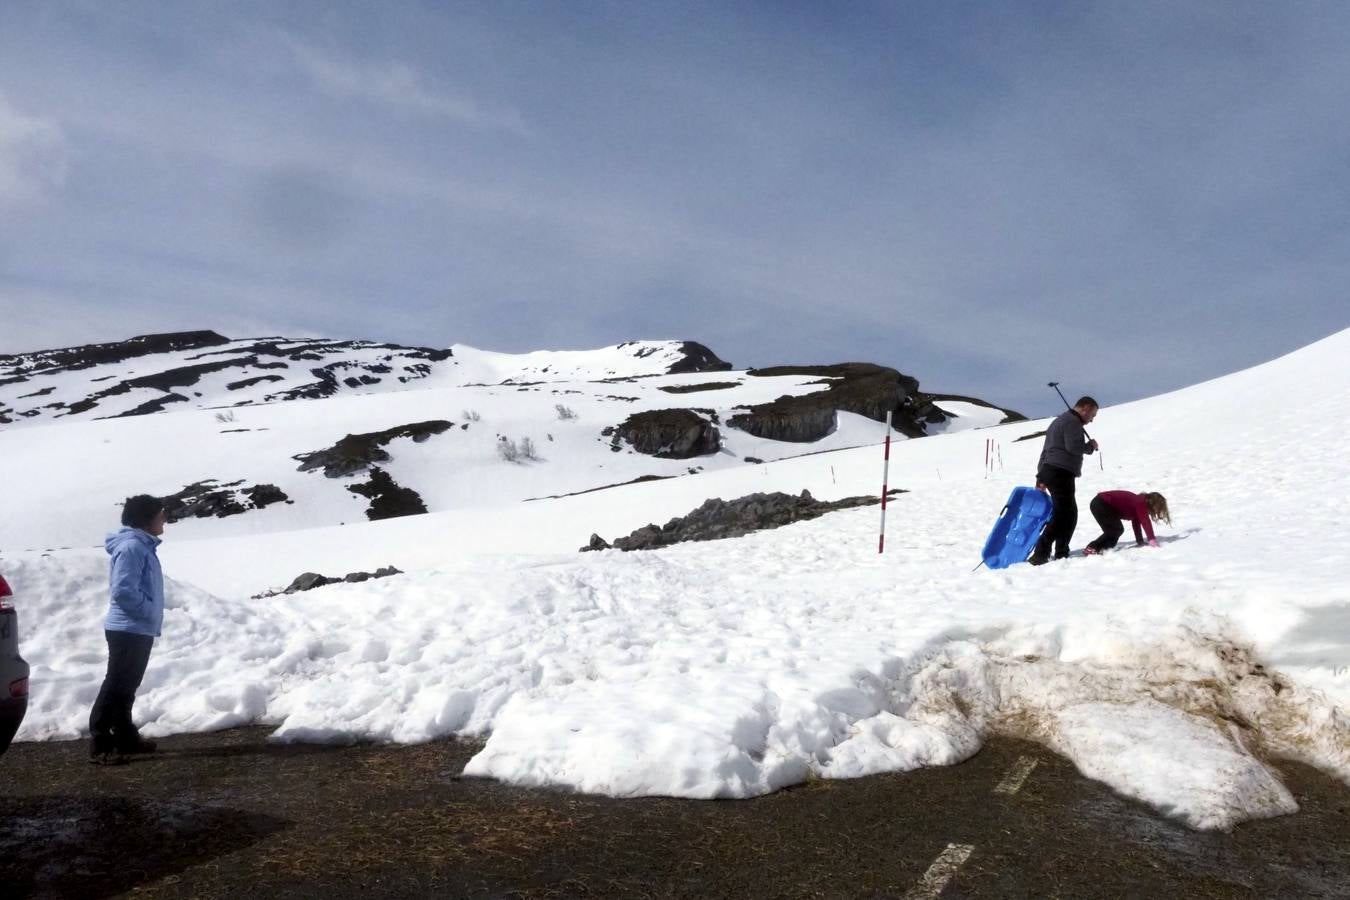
x,y
135,583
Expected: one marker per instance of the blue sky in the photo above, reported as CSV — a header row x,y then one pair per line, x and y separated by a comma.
x,y
1124,197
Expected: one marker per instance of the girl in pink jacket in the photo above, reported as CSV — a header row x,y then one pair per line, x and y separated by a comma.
x,y
1112,509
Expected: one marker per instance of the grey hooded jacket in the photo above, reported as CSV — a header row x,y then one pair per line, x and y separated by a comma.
x,y
1065,444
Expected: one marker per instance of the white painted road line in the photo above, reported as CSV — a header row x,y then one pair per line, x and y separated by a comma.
x,y
934,881
1012,782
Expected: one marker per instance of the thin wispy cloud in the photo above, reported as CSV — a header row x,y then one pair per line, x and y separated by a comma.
x,y
34,155
398,86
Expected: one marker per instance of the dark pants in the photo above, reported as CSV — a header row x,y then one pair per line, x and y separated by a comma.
x,y
110,720
1063,518
1109,520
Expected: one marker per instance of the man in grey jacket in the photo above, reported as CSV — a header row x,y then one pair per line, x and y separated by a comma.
x,y
1060,464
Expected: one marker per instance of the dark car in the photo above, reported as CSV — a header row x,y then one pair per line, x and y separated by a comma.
x,y
13,670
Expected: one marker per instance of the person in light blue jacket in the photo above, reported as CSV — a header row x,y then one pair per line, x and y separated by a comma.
x,y
135,614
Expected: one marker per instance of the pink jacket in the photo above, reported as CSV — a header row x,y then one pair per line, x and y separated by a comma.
x,y
1131,508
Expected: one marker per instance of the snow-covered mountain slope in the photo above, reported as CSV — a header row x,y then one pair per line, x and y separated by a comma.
x,y
202,369
1179,675
634,359
442,432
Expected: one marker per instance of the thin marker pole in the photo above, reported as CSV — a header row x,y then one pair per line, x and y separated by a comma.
x,y
885,474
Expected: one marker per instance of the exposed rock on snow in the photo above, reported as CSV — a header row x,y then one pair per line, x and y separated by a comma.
x,y
924,400
717,519
161,363
210,498
165,381
697,358
861,388
308,581
358,452
596,543
90,355
388,499
697,388
669,433
250,382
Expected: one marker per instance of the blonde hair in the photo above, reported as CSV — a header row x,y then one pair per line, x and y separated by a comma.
x,y
1157,507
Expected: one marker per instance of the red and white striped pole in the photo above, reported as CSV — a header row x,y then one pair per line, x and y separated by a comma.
x,y
885,474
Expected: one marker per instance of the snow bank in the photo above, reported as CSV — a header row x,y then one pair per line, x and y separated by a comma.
x,y
727,669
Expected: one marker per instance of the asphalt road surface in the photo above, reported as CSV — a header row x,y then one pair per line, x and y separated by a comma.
x,y
230,815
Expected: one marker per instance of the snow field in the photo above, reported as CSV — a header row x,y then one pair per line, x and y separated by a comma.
x,y
82,470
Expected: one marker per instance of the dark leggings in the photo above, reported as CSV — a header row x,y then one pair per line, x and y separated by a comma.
x,y
1064,517
1109,520
110,720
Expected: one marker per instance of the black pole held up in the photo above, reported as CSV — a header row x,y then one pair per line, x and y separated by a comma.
x,y
1055,385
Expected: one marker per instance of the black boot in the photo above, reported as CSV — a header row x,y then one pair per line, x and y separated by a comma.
x,y
136,744
102,752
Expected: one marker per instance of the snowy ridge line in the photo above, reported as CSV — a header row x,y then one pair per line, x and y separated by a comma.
x,y
203,370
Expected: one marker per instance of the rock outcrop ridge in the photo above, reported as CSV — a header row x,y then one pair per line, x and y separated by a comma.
x,y
716,519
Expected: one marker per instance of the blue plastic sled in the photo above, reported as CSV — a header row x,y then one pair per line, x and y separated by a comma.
x,y
1017,529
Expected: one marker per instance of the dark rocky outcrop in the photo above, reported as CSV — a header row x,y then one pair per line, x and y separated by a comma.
x,y
261,495
698,358
863,388
388,499
90,355
209,498
694,357
667,434
358,452
717,519
1008,414
151,406
308,581
596,543
181,376
324,385
604,487
695,388
250,382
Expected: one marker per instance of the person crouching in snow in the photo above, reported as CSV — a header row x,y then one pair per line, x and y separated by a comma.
x,y
1112,508
135,613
